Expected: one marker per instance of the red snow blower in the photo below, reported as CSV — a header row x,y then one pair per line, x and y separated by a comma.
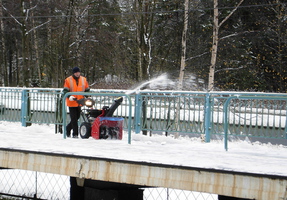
x,y
99,123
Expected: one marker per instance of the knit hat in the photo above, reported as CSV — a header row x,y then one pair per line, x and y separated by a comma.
x,y
76,69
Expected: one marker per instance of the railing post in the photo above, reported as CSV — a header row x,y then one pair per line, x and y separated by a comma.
x,y
286,125
138,103
24,105
64,115
226,121
207,115
59,113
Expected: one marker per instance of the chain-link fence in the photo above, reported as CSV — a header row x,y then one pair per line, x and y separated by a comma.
x,y
23,184
173,194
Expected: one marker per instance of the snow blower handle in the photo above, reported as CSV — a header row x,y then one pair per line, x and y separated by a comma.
x,y
86,102
72,98
114,106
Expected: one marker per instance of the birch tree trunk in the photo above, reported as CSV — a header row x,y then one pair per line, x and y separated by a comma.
x,y
215,38
25,65
183,46
182,64
214,46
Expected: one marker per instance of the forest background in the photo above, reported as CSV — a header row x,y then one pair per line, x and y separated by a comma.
x,y
119,43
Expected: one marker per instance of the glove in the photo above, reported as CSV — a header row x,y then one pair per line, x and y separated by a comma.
x,y
72,98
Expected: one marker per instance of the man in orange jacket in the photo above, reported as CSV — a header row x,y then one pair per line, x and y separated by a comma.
x,y
74,83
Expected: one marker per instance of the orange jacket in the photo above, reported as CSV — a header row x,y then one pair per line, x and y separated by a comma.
x,y
72,86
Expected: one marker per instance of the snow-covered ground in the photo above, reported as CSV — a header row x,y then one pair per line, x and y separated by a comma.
x,y
242,156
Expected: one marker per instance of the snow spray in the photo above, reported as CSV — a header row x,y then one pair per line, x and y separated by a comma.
x,y
160,82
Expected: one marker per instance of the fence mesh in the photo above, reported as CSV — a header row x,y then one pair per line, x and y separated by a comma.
x,y
34,185
173,194
23,184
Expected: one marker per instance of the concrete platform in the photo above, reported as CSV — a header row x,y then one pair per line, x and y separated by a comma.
x,y
144,174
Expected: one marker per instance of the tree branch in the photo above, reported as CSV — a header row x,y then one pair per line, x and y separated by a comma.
x,y
12,16
190,58
28,10
37,27
227,17
230,69
235,34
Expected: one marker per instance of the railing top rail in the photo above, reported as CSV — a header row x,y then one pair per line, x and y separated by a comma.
x,y
219,93
230,93
24,88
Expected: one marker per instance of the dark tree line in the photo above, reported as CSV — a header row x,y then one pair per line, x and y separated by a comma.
x,y
125,42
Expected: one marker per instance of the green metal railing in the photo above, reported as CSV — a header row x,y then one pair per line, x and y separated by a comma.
x,y
250,115
10,110
260,115
255,116
170,112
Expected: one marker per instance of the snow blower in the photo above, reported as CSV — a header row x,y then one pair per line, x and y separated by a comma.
x,y
100,123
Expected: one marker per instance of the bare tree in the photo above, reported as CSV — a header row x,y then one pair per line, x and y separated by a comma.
x,y
216,26
4,60
144,33
25,33
183,46
182,62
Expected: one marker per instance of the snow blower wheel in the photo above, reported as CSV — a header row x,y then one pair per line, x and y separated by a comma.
x,y
85,130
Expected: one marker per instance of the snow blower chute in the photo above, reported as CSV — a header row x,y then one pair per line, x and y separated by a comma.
x,y
100,123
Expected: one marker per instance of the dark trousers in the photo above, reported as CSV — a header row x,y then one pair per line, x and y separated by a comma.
x,y
75,113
